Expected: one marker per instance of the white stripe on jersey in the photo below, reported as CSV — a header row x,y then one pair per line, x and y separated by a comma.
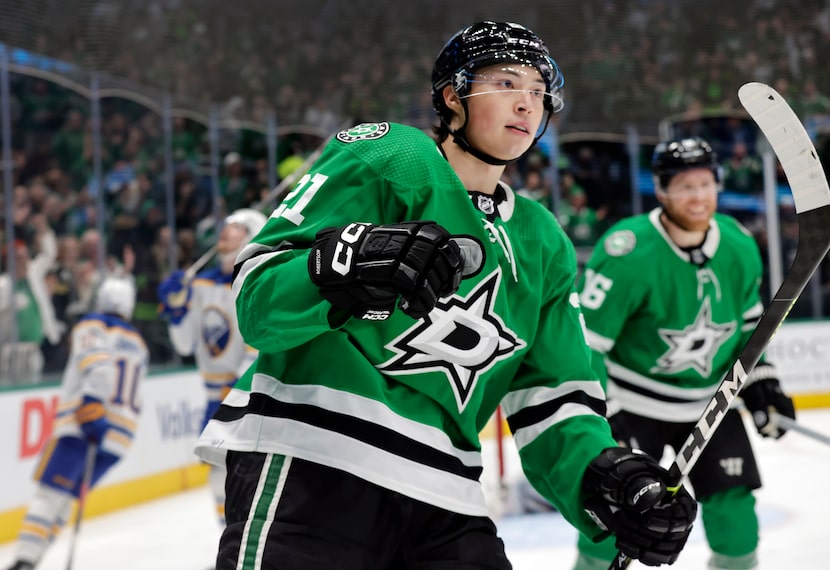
x,y
108,361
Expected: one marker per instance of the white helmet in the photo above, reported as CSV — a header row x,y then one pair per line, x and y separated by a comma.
x,y
116,295
253,221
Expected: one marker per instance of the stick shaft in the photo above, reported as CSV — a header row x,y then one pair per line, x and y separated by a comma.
x,y
811,194
86,481
791,424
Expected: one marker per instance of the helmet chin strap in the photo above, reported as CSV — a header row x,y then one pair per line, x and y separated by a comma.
x,y
460,138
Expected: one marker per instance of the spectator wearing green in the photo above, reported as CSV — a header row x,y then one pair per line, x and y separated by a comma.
x,y
580,221
743,172
26,299
68,148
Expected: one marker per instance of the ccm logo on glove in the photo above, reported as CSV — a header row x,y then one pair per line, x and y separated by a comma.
x,y
343,252
368,270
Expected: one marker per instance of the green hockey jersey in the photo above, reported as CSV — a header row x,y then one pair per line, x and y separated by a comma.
x,y
669,322
401,402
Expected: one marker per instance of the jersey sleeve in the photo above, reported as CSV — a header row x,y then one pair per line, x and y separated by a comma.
x,y
556,405
339,189
248,358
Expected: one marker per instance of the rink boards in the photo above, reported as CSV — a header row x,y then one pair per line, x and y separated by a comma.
x,y
162,462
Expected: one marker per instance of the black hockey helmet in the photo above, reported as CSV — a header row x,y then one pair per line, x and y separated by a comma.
x,y
489,43
674,156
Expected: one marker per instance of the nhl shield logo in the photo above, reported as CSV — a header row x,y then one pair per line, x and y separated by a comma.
x,y
364,131
486,204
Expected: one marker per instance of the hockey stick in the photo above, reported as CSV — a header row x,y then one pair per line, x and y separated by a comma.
x,y
791,424
788,424
808,182
86,480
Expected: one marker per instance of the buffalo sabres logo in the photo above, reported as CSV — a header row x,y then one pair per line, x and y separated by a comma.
x,y
216,330
461,338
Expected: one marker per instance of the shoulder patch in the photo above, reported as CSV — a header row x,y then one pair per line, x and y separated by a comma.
x,y
620,243
363,131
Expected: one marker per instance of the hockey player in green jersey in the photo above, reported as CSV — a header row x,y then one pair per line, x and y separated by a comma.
x,y
669,299
397,296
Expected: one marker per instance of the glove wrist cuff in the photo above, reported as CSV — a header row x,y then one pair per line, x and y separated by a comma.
x,y
763,371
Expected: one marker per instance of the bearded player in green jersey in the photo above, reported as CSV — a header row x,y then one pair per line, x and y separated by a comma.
x,y
386,342
670,298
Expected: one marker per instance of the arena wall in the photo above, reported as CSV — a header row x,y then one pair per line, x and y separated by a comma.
x,y
162,461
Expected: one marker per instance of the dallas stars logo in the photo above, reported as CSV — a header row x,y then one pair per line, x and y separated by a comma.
x,y
694,346
461,338
363,131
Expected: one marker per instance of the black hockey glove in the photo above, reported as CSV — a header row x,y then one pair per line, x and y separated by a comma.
x,y
762,396
363,268
619,429
626,495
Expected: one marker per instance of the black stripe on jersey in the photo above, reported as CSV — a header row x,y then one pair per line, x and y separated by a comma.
x,y
534,414
751,323
648,393
282,246
363,430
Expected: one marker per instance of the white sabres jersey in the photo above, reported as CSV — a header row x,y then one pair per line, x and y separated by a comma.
x,y
210,332
108,361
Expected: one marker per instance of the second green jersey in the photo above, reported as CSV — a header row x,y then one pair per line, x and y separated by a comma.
x,y
401,402
670,322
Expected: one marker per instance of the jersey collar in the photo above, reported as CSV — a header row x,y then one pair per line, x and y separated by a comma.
x,y
710,242
500,204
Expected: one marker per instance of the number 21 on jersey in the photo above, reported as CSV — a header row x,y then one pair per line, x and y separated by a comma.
x,y
308,186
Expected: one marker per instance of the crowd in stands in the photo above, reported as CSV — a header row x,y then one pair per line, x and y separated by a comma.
x,y
55,194
625,62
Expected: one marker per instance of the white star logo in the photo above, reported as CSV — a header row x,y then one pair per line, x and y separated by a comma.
x,y
461,337
695,346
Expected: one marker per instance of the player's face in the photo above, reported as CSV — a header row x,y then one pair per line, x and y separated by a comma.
x,y
506,106
691,199
231,238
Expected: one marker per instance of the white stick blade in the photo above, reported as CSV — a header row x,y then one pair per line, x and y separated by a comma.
x,y
791,144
